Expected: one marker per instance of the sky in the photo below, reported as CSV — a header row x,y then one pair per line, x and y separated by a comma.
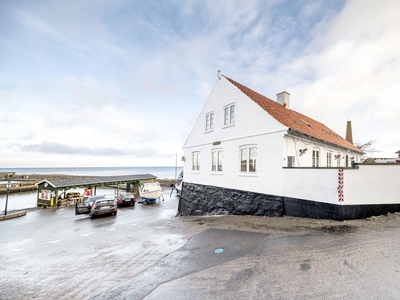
x,y
121,83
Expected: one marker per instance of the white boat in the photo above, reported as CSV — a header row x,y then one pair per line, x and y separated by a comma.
x,y
150,192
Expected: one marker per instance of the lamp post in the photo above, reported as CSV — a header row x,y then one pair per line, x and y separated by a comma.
x,y
8,186
176,164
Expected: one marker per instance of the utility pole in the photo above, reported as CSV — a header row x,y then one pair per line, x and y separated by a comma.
x,y
176,164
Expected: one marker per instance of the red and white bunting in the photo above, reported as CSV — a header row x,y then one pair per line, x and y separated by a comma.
x,y
340,185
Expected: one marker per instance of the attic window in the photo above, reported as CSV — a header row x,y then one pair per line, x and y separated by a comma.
x,y
326,131
305,122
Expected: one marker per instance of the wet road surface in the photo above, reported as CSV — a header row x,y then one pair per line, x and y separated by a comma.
x,y
145,252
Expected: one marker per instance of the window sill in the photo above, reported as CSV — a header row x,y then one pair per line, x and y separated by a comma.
x,y
227,126
195,172
208,131
216,173
248,174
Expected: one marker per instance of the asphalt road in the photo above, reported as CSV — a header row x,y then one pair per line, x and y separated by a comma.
x,y
145,252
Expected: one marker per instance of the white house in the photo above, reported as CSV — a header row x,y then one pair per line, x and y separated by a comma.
x,y
248,154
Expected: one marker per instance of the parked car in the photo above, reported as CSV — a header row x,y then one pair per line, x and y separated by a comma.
x,y
126,199
100,206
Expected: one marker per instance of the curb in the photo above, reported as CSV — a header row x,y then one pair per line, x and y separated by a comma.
x,y
12,216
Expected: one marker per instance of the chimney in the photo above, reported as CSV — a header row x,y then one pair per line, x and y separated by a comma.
x,y
349,133
283,99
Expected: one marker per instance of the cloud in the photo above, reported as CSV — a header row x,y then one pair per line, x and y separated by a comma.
x,y
127,79
59,149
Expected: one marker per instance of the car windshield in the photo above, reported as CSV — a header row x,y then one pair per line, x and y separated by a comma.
x,y
93,198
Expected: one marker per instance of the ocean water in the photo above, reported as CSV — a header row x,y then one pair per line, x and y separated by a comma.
x,y
160,172
26,200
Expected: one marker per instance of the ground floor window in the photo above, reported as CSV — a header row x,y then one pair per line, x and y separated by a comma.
x,y
196,161
248,159
329,159
337,160
216,158
315,158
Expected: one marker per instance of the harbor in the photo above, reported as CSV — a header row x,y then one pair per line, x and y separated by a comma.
x,y
23,189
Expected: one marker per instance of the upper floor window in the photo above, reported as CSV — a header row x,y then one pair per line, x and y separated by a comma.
x,y
229,114
196,161
216,160
315,158
248,159
329,159
210,121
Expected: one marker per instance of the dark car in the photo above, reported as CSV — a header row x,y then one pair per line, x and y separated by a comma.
x,y
100,206
126,199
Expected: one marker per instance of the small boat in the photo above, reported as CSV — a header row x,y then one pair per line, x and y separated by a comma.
x,y
150,192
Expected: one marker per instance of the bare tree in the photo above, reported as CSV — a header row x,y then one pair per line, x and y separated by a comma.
x,y
368,147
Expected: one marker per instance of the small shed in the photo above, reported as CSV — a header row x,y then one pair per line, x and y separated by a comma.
x,y
49,192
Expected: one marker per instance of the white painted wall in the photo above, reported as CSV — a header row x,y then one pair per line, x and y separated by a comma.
x,y
372,184
246,130
293,144
369,184
311,184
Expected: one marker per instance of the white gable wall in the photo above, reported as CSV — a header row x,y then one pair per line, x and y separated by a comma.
x,y
246,130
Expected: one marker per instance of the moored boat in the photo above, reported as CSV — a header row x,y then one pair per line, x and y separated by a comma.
x,y
150,192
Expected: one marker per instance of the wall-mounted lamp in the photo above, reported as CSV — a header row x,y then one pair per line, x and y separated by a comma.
x,y
352,158
337,156
302,151
183,158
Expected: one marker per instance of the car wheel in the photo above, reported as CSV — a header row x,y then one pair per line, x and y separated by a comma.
x,y
115,213
91,217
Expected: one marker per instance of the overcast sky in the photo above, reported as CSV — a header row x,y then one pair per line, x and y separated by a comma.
x,y
121,83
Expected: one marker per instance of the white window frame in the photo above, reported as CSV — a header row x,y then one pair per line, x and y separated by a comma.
x,y
196,161
229,114
329,159
216,160
315,158
338,160
210,121
249,165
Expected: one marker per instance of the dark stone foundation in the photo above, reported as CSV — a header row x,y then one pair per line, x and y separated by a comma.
x,y
197,199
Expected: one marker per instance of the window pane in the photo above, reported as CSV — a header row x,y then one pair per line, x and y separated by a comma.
x,y
243,160
207,122
211,121
226,115
252,165
232,114
214,161
220,161
252,160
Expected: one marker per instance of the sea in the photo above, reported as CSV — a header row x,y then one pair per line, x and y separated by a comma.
x,y
26,200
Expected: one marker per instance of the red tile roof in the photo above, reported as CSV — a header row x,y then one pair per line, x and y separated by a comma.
x,y
294,120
